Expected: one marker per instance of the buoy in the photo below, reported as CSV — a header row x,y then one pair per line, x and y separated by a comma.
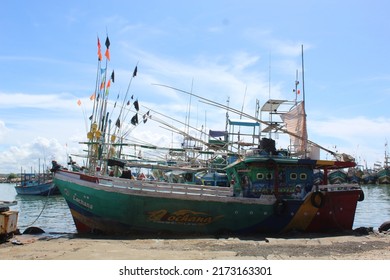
x,y
93,127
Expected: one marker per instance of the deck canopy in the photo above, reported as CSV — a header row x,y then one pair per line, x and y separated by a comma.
x,y
243,123
272,105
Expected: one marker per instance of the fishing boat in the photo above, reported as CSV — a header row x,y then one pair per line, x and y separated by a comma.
x,y
383,173
369,176
269,190
355,174
337,177
36,184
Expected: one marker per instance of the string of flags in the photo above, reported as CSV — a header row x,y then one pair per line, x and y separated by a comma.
x,y
106,86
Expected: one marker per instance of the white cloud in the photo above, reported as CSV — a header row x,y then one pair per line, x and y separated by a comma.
x,y
32,155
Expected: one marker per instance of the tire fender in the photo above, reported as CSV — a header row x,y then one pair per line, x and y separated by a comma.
x,y
361,196
317,199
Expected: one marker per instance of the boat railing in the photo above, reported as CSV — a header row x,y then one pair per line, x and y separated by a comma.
x,y
168,188
259,152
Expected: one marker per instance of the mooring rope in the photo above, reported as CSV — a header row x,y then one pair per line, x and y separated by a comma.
x,y
43,208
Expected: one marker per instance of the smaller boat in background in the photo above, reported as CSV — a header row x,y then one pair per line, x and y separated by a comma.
x,y
318,177
337,176
383,173
369,176
36,184
355,174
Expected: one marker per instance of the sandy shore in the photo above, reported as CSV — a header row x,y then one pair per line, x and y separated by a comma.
x,y
372,246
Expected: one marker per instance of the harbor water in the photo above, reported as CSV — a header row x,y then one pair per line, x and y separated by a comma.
x,y
52,214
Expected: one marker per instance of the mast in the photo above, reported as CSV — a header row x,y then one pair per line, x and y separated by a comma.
x,y
303,101
303,77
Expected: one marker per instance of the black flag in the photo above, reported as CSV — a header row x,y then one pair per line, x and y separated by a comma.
x,y
135,71
136,106
107,43
118,123
113,76
145,117
134,119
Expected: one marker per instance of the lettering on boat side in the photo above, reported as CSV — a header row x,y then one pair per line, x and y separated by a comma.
x,y
82,202
182,217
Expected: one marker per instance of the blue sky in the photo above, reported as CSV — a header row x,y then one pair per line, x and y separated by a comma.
x,y
241,50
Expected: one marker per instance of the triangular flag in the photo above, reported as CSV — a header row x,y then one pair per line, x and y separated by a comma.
x,y
99,50
118,123
107,43
107,54
92,97
113,76
136,106
145,117
79,102
135,71
134,119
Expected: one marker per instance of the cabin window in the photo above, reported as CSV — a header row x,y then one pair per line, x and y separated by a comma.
x,y
260,176
303,176
293,176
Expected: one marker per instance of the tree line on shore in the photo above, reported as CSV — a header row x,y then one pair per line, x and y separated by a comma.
x,y
9,178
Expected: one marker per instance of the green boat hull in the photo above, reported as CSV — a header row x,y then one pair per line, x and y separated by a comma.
x,y
100,208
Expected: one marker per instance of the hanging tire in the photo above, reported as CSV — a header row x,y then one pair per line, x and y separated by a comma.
x,y
361,196
317,199
280,207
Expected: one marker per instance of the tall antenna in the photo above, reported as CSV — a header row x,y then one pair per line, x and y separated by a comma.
x,y
303,77
269,77
243,102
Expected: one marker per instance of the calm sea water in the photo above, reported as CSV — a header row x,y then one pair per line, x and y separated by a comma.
x,y
50,213
53,216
